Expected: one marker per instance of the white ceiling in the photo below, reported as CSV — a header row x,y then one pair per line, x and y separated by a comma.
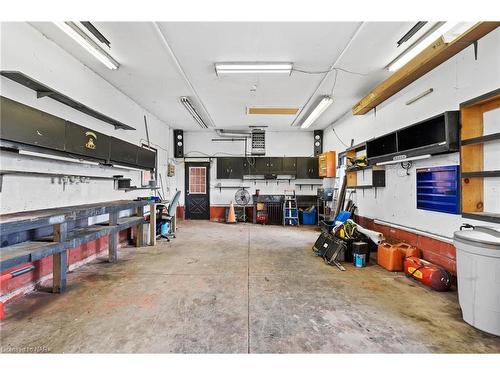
x,y
149,75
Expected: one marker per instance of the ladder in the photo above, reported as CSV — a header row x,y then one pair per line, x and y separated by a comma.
x,y
290,210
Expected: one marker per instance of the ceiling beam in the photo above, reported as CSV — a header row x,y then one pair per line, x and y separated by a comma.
x,y
428,59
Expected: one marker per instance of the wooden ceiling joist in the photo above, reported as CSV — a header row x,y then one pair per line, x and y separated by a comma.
x,y
428,59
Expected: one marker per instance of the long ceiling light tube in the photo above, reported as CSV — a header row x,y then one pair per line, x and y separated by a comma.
x,y
189,107
420,45
321,107
253,68
88,44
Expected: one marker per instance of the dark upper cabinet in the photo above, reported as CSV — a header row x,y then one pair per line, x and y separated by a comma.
x,y
313,168
23,124
275,165
307,168
260,166
436,135
122,152
86,142
228,168
289,166
236,168
146,158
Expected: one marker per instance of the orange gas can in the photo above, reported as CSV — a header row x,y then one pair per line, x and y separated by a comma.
x,y
390,257
408,251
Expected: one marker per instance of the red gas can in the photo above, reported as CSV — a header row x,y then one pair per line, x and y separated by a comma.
x,y
427,273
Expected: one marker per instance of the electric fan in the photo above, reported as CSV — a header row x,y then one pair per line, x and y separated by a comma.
x,y
242,198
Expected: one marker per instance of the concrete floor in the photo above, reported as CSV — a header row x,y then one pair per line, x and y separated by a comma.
x,y
239,288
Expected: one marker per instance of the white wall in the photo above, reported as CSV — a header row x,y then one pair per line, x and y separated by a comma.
x,y
279,144
25,49
457,80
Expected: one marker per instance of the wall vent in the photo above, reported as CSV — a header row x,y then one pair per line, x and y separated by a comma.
x,y
258,142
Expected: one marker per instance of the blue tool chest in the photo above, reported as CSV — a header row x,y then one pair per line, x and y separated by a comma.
x,y
438,189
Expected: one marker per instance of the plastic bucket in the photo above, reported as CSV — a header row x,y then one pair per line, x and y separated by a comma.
x,y
478,270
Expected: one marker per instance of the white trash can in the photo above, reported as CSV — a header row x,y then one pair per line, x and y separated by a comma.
x,y
478,276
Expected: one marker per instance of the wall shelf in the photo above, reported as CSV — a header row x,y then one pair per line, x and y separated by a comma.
x,y
45,91
481,174
472,156
481,139
483,216
436,135
312,185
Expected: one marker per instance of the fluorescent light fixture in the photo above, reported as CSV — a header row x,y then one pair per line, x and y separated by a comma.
x,y
456,31
189,107
420,45
402,159
87,43
317,112
253,68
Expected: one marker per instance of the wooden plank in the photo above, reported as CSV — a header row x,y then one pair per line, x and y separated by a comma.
x,y
139,229
472,195
472,122
352,178
59,260
113,239
428,59
272,111
472,158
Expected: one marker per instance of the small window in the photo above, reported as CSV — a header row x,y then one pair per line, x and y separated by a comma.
x,y
197,180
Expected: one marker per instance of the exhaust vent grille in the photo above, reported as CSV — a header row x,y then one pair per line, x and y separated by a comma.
x,y
258,142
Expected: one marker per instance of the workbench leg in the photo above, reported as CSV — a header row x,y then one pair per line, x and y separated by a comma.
x,y
152,224
139,230
59,260
113,238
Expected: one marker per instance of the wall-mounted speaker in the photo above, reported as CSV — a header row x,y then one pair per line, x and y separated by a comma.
x,y
178,143
318,142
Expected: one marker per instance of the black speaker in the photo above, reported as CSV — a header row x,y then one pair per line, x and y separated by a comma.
x,y
318,142
178,143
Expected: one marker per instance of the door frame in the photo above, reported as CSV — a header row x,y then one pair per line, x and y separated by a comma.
x,y
186,185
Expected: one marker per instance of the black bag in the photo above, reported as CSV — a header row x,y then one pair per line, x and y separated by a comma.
x,y
335,250
321,245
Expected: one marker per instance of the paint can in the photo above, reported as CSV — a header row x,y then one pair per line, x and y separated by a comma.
x,y
359,260
360,252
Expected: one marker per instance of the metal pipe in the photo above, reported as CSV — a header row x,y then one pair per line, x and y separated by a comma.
x,y
232,134
415,231
229,139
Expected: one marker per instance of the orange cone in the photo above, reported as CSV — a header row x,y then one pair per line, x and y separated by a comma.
x,y
231,217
